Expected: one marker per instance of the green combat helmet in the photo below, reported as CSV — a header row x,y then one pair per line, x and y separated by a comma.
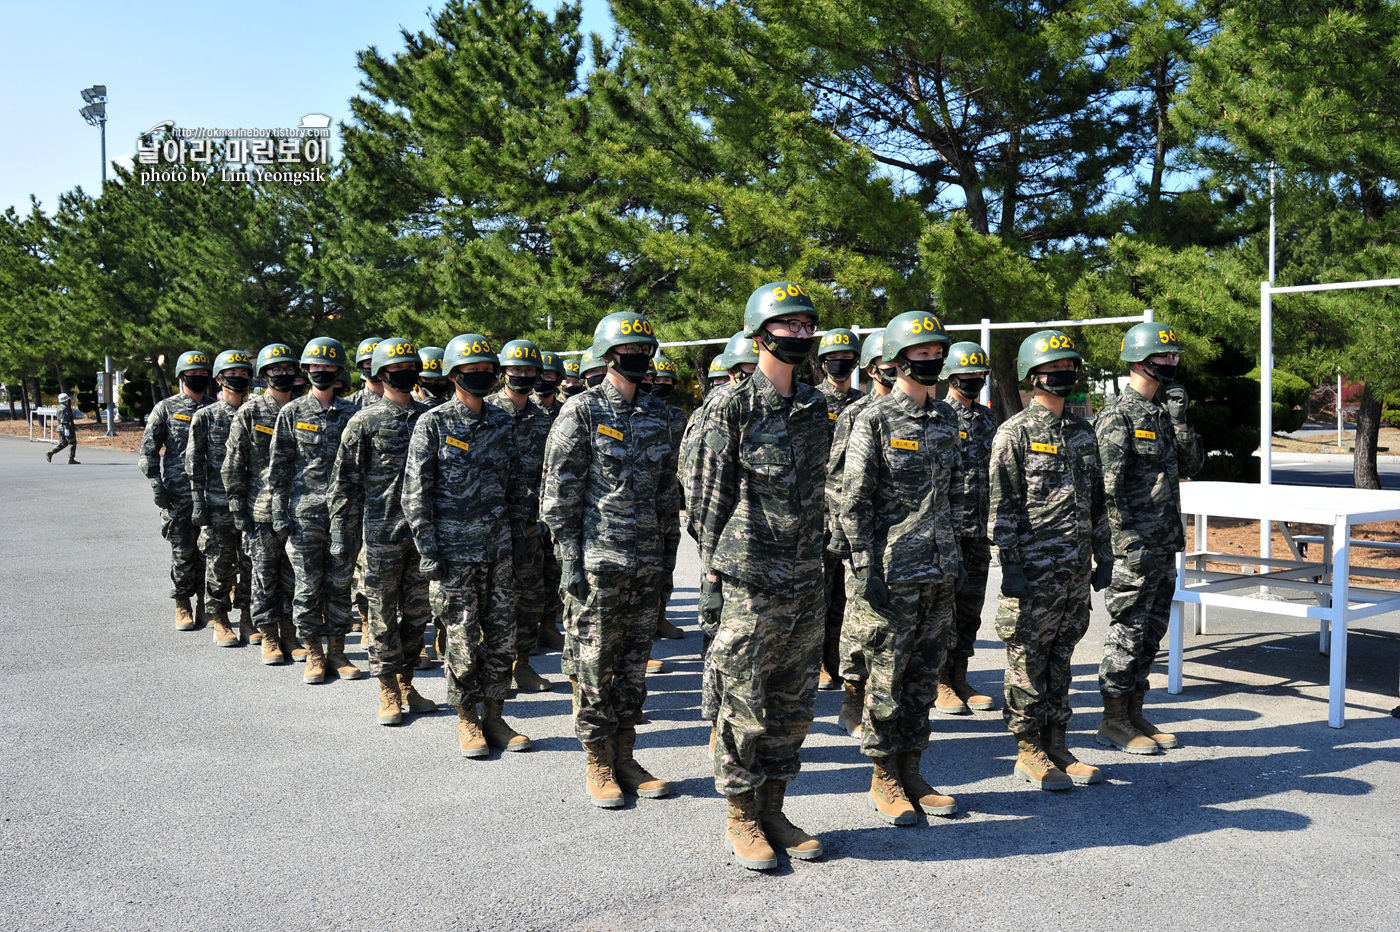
x,y
469,348
741,348
1151,339
778,299
717,370
966,357
837,340
364,356
589,366
430,363
326,351
872,351
191,359
391,350
620,329
915,328
570,367
273,353
550,362
521,353
1045,346
663,367
231,359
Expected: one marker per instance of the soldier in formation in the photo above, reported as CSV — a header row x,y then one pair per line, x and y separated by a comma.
x,y
837,355
64,431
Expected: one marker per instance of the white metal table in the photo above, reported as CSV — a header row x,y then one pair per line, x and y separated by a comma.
x,y
1328,579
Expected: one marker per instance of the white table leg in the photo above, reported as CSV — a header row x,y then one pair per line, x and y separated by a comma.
x,y
1324,631
1341,601
1174,631
1202,539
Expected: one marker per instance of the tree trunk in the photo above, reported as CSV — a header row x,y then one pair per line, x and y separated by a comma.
x,y
1368,430
1006,390
160,388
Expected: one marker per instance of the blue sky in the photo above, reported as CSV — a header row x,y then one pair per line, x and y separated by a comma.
x,y
255,64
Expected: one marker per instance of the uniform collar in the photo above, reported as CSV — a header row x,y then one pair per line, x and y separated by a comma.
x,y
912,408
1137,397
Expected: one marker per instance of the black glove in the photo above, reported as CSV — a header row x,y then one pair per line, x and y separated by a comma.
x,y
340,547
1177,403
1014,584
1140,560
1103,574
838,544
198,517
962,578
571,578
242,521
158,493
431,568
871,587
711,597
519,549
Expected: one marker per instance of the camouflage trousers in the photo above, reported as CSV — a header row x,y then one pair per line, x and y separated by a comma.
x,y
398,606
272,579
967,604
1139,607
321,594
225,564
765,660
834,575
530,598
666,579
610,631
359,593
850,651
478,608
553,575
69,443
186,562
904,645
1041,632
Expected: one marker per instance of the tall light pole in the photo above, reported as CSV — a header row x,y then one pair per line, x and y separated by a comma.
x,y
96,115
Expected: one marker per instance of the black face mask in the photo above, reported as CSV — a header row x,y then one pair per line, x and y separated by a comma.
x,y
364,373
660,389
323,378
594,378
923,371
438,388
284,382
238,384
569,391
476,383
1164,373
403,380
969,388
839,369
1060,383
521,384
196,383
546,387
631,366
790,350
884,377
740,375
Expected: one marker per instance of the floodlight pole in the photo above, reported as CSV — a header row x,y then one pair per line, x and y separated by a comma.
x,y
1266,383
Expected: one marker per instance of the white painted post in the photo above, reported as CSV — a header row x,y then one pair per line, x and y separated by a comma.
x,y
1266,409
987,348
1341,599
1339,411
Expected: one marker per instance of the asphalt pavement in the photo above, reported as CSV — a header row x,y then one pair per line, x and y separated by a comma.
x,y
153,781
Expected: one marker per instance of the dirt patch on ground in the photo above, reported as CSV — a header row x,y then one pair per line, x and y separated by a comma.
x,y
90,434
1239,536
1389,438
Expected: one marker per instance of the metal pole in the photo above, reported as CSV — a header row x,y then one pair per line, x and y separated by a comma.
x,y
987,348
1339,410
1271,226
1266,410
104,173
107,388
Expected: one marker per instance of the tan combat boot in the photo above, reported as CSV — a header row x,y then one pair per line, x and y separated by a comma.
x,y
271,648
825,681
550,636
411,700
184,616
498,733
632,776
526,679
853,708
315,662
603,790
1033,766
389,711
743,834
776,827
949,702
1117,732
1062,757
887,796
573,693
247,631
224,635
966,693
917,789
291,645
655,666
1159,737
337,661
469,735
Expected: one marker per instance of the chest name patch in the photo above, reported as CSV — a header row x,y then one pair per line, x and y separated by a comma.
x,y
181,417
607,431
262,429
905,444
1145,434
302,425
454,442
1045,448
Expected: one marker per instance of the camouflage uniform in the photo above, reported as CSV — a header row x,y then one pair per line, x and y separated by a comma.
x,y
553,604
901,506
977,427
363,397
366,512
163,458
304,446
67,436
671,534
689,456
249,450
1047,515
530,428
1144,457
833,565
460,491
225,559
851,658
609,495
755,497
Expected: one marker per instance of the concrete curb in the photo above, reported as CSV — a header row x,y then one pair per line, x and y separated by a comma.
x,y
1327,458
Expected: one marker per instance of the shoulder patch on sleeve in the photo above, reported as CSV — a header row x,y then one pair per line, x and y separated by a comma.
x,y
568,427
716,441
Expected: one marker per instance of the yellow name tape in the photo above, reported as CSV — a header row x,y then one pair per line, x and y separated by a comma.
x,y
962,434
1044,448
1145,434
181,417
302,425
459,444
262,428
831,414
905,444
607,431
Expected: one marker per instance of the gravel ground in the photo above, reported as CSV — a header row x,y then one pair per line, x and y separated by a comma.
x,y
152,781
